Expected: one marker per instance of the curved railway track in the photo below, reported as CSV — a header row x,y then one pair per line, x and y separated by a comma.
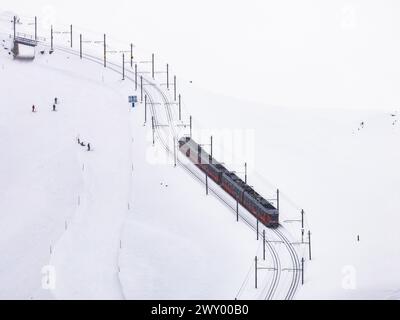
x,y
269,292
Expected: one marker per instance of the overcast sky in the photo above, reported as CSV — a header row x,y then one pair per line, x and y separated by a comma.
x,y
286,52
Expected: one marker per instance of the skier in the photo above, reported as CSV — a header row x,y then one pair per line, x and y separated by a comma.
x,y
55,100
88,147
33,108
54,107
82,144
358,238
79,141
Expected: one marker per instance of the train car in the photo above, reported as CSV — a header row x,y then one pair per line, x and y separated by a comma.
x,y
263,210
260,207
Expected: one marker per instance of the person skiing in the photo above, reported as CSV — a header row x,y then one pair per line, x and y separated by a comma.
x,y
55,100
88,147
33,108
54,107
82,144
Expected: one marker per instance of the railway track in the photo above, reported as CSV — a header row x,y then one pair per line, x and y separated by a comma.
x,y
296,266
270,291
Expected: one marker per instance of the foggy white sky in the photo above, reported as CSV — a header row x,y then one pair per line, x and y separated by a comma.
x,y
285,52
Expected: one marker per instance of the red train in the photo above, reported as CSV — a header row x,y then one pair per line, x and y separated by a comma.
x,y
263,210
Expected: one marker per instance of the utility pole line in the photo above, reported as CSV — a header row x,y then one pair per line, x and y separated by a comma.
x,y
245,172
206,184
258,236
309,244
302,271
71,35
302,219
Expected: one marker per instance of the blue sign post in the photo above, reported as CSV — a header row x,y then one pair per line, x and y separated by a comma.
x,y
133,100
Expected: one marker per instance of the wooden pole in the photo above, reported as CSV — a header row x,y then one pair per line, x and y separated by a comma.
x,y
80,46
278,200
105,51
153,127
174,88
141,88
191,126
123,66
206,184
35,28
256,268
211,150
167,76
135,77
152,65
180,107
145,108
15,26
51,38
237,210
175,156
264,244
131,55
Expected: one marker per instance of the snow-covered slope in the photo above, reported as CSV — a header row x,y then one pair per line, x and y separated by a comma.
x,y
344,175
116,222
65,207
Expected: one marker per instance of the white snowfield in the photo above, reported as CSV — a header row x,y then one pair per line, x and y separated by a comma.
x,y
118,222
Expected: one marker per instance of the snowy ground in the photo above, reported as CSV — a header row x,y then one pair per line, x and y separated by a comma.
x,y
115,225
66,208
346,178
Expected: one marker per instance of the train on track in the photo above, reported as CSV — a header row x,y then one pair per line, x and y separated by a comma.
x,y
263,210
